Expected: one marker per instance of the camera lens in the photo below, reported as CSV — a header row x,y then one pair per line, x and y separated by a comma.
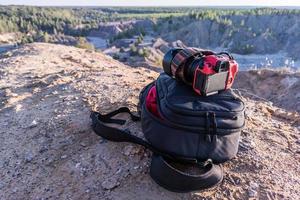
x,y
185,72
167,60
191,67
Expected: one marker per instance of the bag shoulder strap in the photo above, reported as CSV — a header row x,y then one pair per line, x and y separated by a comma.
x,y
179,181
100,127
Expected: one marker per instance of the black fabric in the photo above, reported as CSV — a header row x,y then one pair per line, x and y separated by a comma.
x,y
192,125
178,180
165,173
192,129
100,127
170,138
179,104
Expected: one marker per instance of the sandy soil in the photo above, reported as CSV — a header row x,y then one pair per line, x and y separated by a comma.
x,y
10,38
48,150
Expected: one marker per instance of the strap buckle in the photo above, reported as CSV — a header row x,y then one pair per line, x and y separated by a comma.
x,y
204,163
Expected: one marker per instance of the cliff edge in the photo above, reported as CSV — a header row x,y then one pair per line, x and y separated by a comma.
x,y
48,150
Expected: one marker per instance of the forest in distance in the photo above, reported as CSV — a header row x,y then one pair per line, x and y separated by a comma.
x,y
240,30
79,21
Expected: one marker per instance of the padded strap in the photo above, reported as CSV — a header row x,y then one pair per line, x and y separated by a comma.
x,y
166,174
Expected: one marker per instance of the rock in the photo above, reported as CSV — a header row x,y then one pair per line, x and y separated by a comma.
x,y
247,144
77,165
131,150
252,193
18,107
178,43
253,189
33,124
8,54
119,171
128,150
83,144
28,157
289,81
136,167
43,149
110,183
235,180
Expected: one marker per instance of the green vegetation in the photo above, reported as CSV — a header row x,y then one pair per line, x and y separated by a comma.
x,y
70,21
84,44
139,51
43,23
79,21
128,34
221,14
50,20
140,39
133,50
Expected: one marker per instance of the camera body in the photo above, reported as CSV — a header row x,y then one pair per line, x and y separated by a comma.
x,y
206,71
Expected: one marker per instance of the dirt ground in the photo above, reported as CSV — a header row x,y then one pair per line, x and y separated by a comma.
x,y
48,150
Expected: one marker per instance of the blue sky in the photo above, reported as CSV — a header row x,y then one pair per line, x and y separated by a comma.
x,y
154,2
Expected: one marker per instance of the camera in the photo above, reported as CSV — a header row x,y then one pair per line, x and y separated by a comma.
x,y
206,71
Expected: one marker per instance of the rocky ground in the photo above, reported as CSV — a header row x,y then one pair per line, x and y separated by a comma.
x,y
48,150
10,38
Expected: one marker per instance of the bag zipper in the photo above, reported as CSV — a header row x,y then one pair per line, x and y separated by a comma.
x,y
229,114
202,113
166,122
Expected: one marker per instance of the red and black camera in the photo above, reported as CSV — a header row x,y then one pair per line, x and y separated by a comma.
x,y
206,71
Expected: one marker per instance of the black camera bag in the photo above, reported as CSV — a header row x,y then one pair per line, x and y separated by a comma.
x,y
193,126
194,131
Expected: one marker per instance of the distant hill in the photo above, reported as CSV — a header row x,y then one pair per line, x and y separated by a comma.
x,y
241,30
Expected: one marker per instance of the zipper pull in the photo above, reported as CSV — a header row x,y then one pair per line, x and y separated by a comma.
x,y
208,138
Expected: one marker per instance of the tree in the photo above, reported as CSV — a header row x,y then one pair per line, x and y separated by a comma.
x,y
139,39
133,50
54,31
84,44
45,37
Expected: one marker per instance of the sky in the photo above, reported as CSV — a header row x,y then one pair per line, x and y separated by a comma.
x,y
153,2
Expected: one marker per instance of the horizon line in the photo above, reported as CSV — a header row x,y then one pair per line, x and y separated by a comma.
x,y
155,6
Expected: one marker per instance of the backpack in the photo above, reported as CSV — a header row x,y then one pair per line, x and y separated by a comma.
x,y
189,135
